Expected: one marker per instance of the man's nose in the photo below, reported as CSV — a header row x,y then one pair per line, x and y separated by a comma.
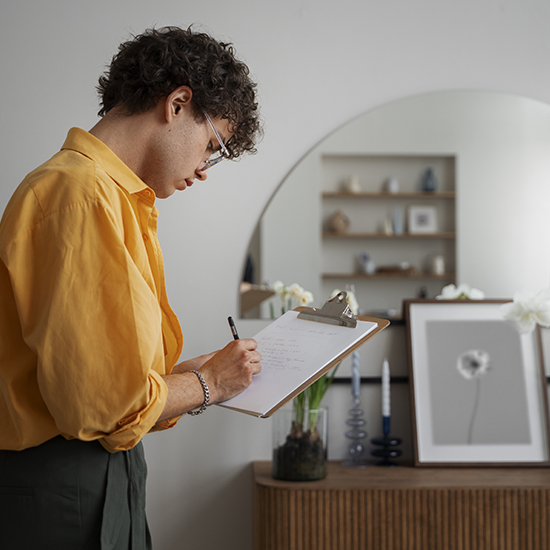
x,y
201,174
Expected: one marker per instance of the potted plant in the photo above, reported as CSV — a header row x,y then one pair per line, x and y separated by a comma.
x,y
300,433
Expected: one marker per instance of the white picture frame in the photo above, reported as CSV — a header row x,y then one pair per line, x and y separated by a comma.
x,y
422,219
461,415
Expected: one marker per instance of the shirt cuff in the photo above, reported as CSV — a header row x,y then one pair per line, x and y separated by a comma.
x,y
132,429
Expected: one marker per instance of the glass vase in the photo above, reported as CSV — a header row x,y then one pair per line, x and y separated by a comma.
x,y
300,444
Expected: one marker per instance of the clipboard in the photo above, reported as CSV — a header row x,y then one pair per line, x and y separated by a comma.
x,y
322,338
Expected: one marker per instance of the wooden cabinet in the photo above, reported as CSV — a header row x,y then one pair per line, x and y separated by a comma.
x,y
404,508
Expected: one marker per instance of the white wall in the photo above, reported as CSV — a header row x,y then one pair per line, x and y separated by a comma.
x,y
319,64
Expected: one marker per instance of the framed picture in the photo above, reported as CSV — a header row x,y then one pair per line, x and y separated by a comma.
x,y
422,219
478,387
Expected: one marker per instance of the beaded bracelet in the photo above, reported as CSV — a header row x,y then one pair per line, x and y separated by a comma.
x,y
206,394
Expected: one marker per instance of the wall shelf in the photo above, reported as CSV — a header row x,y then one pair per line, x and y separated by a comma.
x,y
439,235
386,275
396,196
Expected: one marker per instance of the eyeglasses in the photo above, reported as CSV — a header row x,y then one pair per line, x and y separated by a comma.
x,y
224,153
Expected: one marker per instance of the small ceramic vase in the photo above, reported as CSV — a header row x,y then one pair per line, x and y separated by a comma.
x,y
338,222
388,226
366,265
397,222
351,185
392,185
429,183
438,265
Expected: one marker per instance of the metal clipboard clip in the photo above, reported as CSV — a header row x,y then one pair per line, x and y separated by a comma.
x,y
336,311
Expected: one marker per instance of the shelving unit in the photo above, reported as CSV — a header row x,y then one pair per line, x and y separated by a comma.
x,y
368,212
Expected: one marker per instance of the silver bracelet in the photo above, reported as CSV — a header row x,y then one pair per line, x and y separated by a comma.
x,y
206,394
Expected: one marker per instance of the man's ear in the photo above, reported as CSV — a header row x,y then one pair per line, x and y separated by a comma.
x,y
178,101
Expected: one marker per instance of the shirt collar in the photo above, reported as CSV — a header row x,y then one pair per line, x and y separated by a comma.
x,y
88,145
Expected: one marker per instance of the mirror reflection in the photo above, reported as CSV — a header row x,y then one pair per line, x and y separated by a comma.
x,y
440,188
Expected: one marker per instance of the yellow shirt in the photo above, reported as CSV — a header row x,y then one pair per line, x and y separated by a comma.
x,y
85,325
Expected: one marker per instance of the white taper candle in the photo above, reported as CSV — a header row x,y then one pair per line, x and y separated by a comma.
x,y
355,375
386,408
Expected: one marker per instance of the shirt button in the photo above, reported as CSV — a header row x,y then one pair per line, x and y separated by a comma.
x,y
145,237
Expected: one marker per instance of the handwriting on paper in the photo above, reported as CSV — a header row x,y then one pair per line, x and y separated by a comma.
x,y
291,346
294,351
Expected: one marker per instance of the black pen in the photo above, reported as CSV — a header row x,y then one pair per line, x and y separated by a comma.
x,y
233,328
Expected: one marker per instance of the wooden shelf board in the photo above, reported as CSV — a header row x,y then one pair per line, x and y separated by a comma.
x,y
382,195
440,235
391,275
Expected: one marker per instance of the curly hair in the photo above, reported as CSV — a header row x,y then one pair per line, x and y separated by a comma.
x,y
152,65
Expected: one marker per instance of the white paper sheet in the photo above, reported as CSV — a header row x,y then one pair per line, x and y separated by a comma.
x,y
293,352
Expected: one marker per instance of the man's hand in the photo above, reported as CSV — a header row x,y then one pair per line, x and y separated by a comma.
x,y
229,371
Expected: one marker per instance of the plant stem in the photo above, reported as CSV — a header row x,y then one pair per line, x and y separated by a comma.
x,y
299,406
315,394
471,429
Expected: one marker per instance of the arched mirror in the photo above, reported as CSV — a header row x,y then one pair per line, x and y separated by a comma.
x,y
446,187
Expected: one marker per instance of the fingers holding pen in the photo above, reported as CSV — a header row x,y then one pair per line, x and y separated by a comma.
x,y
247,354
250,344
230,371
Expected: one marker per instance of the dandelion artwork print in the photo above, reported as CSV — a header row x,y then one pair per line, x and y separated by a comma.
x,y
455,392
473,364
477,385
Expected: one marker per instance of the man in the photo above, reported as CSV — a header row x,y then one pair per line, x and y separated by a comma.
x,y
88,342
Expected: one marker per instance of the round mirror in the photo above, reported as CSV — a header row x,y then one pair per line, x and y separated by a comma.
x,y
440,188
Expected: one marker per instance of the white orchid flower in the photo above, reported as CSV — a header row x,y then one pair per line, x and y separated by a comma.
x,y
460,292
352,302
350,299
288,294
476,294
528,309
306,298
279,287
295,291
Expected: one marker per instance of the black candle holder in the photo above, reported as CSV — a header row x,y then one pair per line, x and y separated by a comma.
x,y
388,451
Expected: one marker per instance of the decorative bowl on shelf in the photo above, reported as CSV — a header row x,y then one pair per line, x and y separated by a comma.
x,y
338,222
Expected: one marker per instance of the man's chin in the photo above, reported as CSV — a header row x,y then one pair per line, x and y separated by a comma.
x,y
185,184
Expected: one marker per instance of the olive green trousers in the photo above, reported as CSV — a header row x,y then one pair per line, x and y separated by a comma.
x,y
64,495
